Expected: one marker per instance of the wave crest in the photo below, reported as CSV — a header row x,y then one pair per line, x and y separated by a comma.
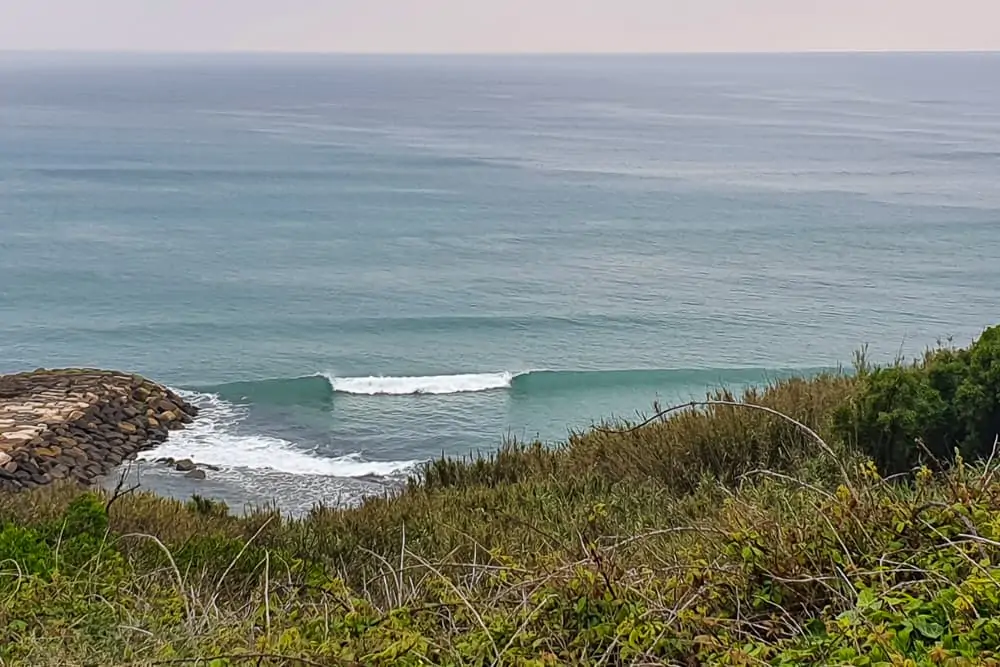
x,y
429,384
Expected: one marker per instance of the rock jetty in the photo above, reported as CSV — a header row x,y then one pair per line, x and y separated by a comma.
x,y
79,424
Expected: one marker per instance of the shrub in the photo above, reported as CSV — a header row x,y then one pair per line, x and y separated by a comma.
x,y
946,402
978,397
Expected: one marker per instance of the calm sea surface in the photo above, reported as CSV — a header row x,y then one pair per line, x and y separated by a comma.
x,y
355,264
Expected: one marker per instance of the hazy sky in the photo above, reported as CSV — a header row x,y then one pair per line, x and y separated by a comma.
x,y
499,25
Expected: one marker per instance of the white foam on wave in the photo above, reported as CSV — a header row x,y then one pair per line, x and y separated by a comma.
x,y
213,439
429,384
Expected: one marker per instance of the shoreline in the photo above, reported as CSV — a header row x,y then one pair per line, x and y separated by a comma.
x,y
80,424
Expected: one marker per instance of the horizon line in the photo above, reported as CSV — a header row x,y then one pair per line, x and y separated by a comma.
x,y
269,52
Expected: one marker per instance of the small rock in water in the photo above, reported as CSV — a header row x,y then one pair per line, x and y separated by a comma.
x,y
169,461
184,465
210,467
195,474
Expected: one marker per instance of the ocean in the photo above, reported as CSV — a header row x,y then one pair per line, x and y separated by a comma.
x,y
355,264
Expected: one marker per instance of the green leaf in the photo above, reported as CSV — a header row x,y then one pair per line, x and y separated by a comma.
x,y
866,597
927,627
817,627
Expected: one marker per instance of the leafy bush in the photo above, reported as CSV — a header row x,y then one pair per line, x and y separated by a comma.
x,y
947,402
69,543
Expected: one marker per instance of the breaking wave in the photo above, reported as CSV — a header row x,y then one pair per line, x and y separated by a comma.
x,y
430,384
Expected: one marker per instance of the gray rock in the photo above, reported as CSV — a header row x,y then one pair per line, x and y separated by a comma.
x,y
210,467
195,474
184,465
166,405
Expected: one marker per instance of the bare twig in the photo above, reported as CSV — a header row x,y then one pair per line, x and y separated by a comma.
x,y
267,591
937,462
205,660
789,478
218,585
666,531
981,540
468,605
173,565
990,470
957,547
119,492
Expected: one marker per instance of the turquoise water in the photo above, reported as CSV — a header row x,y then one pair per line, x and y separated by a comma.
x,y
355,263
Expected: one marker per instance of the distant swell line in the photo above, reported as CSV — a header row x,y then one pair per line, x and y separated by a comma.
x,y
321,389
415,385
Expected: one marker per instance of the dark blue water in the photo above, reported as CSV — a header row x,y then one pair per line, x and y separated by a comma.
x,y
355,263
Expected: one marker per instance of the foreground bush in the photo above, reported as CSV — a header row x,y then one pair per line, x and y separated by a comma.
x,y
947,401
776,572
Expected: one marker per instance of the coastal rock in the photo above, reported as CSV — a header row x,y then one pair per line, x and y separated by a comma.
x,y
78,424
195,474
166,405
184,465
17,437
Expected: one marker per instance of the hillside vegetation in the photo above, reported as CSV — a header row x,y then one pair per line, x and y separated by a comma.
x,y
841,519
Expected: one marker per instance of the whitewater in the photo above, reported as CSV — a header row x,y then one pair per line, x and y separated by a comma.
x,y
432,384
215,439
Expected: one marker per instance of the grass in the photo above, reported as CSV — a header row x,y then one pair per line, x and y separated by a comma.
x,y
720,534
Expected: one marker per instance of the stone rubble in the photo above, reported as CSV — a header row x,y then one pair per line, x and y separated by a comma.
x,y
79,424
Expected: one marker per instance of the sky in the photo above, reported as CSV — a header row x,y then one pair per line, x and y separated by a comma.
x,y
500,26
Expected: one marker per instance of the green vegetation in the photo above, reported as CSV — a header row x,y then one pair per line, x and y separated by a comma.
x,y
868,534
948,400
